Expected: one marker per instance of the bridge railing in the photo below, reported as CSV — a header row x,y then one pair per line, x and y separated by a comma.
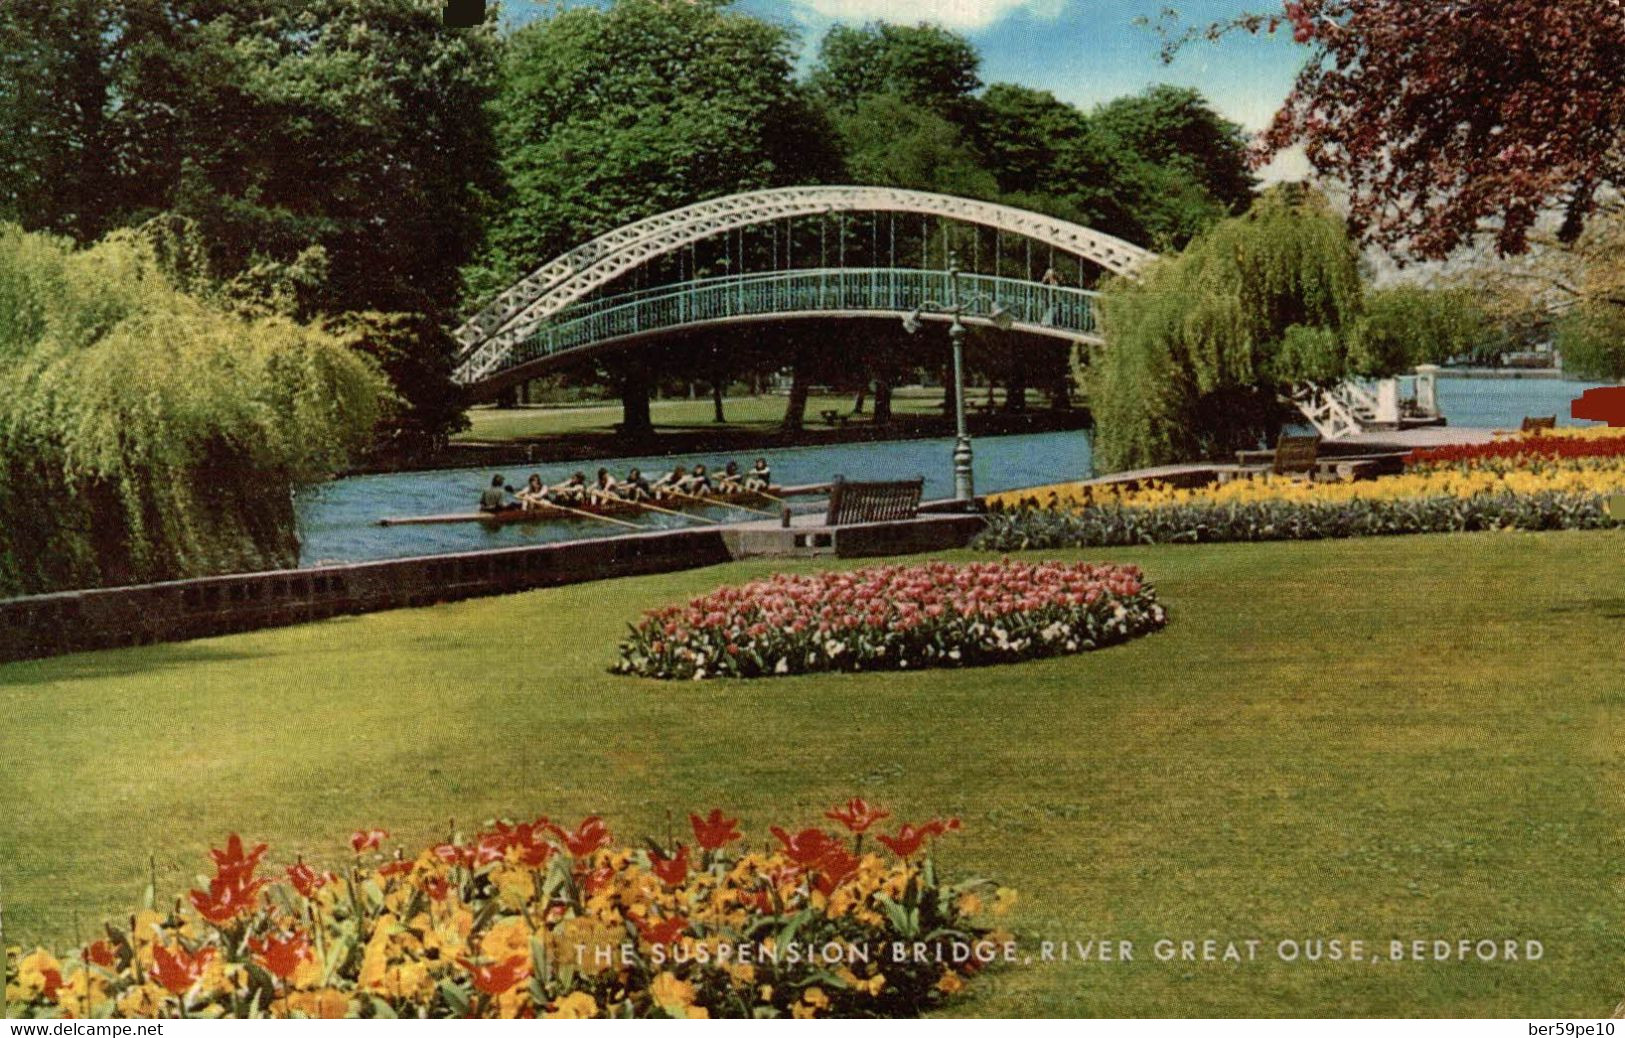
x,y
1054,309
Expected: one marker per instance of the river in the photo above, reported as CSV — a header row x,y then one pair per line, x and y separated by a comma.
x,y
338,522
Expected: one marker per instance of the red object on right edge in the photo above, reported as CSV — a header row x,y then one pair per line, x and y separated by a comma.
x,y
1604,404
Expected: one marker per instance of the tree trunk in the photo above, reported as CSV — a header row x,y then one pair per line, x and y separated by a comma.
x,y
863,394
795,410
716,402
635,420
1015,399
882,401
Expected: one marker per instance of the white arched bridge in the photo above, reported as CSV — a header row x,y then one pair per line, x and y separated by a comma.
x,y
568,307
598,297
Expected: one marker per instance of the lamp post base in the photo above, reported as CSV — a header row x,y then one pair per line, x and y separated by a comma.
x,y
964,482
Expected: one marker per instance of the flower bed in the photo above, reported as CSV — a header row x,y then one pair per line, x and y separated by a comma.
x,y
1532,482
894,618
534,920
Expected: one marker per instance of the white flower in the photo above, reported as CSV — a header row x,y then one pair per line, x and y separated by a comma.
x,y
953,654
783,666
699,675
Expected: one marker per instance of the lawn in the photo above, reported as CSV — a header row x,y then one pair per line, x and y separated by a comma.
x,y
754,413
1408,737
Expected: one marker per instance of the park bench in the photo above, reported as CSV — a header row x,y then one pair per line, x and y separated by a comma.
x,y
855,502
833,417
1537,424
1295,456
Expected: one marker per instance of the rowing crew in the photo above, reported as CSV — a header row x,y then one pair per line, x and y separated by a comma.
x,y
678,484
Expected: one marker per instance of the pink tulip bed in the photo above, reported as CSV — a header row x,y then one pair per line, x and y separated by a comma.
x,y
894,618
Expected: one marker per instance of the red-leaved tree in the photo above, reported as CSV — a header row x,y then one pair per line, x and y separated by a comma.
x,y
1447,117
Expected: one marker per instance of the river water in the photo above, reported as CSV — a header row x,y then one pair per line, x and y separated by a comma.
x,y
338,522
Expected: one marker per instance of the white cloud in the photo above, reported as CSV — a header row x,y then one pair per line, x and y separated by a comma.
x,y
963,15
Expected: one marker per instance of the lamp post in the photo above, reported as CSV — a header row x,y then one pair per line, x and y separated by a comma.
x,y
964,480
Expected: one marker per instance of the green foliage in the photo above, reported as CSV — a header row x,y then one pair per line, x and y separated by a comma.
x,y
1175,128
148,434
1591,339
278,127
891,142
1036,528
1202,346
925,65
608,116
1408,325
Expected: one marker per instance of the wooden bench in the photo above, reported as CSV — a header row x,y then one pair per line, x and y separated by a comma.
x,y
854,502
1295,456
1537,424
833,417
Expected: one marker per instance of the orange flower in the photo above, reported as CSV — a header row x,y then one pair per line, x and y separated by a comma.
x,y
806,847
672,871
494,980
281,954
367,839
100,953
307,880
858,815
590,835
714,831
178,970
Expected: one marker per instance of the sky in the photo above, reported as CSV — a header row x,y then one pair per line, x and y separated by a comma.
x,y
1083,51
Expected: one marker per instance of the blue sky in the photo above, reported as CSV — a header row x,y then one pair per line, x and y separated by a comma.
x,y
1084,51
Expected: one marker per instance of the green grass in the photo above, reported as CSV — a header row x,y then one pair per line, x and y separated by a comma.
x,y
1406,737
753,413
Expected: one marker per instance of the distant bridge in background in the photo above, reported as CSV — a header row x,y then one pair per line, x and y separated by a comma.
x,y
588,300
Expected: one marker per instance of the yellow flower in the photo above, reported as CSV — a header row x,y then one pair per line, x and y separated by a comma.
x,y
969,903
672,995
506,939
515,888
326,1004
31,973
950,984
813,1001
142,1001
577,1005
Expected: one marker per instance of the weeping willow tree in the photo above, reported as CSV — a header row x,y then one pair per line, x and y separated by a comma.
x,y
148,434
1201,348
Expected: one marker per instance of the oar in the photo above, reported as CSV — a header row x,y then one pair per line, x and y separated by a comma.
x,y
593,515
672,511
719,504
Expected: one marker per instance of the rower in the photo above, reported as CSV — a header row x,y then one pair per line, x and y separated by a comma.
x,y
606,488
760,477
730,482
635,488
698,484
494,498
671,482
534,495
572,489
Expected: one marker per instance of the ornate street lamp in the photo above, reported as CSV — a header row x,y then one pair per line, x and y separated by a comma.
x,y
1004,320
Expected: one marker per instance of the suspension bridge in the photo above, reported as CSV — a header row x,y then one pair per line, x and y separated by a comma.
x,y
826,252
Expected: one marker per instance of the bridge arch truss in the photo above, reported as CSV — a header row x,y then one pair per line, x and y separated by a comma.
x,y
491,340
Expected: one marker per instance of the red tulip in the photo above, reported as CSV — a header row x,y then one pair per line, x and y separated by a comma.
x,y
436,887
908,839
661,932
177,971
807,847
396,868
231,863
714,831
494,980
367,839
590,835
672,871
858,815
307,880
281,954
100,953
836,867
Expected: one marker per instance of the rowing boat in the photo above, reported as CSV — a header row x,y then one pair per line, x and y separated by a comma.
x,y
550,513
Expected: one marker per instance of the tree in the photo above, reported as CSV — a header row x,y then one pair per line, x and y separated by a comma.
x,y
1175,128
1203,345
275,126
925,65
1407,325
173,462
890,142
1444,119
1591,339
